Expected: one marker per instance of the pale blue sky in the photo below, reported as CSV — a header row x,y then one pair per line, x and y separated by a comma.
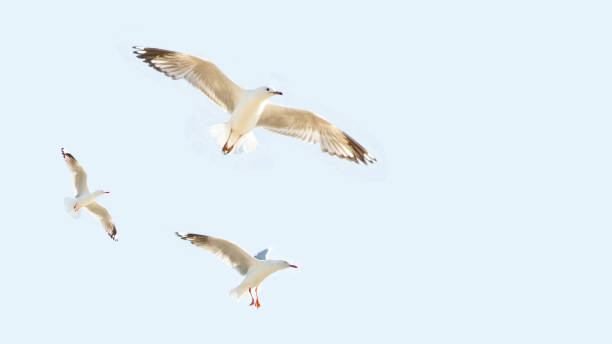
x,y
486,219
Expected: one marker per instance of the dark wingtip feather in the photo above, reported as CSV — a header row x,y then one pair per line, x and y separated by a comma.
x,y
201,239
149,54
67,155
360,153
113,234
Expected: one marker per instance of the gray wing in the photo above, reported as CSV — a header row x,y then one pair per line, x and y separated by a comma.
x,y
79,177
262,255
310,127
227,251
104,217
202,74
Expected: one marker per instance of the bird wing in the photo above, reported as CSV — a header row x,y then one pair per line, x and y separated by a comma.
x,y
310,127
202,74
104,217
79,177
227,251
262,254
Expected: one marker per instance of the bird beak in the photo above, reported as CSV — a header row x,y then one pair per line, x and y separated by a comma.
x,y
106,191
278,92
293,266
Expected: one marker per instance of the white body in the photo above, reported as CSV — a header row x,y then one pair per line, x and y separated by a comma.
x,y
244,119
87,199
245,116
256,274
73,205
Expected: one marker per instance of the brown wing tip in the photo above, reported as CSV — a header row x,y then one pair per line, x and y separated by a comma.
x,y
144,51
67,155
113,234
360,154
191,237
149,54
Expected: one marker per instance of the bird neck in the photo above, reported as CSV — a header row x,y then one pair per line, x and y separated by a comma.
x,y
97,193
275,264
90,198
256,95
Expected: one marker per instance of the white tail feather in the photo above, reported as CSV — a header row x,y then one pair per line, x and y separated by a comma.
x,y
247,143
69,204
219,133
239,290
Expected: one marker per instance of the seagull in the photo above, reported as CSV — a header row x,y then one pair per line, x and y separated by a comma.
x,y
250,109
255,268
85,199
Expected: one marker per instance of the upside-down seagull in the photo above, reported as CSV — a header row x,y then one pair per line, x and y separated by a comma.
x,y
255,268
85,199
250,108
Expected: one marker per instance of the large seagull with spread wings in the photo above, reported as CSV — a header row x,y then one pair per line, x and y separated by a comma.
x,y
250,109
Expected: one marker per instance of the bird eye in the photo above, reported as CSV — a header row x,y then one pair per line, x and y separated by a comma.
x,y
268,89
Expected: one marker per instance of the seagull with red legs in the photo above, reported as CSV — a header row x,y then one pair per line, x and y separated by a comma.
x,y
85,199
255,269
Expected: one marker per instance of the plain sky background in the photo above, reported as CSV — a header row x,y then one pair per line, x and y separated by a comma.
x,y
485,220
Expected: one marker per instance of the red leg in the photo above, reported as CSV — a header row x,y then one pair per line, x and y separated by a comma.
x,y
252,300
226,150
257,304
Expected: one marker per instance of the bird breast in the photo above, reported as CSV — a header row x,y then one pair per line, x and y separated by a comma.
x,y
245,116
259,273
86,200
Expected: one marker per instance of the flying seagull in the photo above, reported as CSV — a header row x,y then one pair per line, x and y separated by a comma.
x,y
250,109
85,199
255,268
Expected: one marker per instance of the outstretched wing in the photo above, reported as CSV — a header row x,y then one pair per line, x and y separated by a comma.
x,y
202,74
79,177
227,251
262,255
104,217
310,127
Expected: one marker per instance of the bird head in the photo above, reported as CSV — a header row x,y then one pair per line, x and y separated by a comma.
x,y
287,265
269,91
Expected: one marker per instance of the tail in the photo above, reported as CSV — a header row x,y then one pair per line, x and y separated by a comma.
x,y
225,138
219,133
69,204
239,290
247,142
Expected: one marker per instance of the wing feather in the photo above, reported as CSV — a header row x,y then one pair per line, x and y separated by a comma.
x,y
201,73
310,127
79,177
229,252
100,213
